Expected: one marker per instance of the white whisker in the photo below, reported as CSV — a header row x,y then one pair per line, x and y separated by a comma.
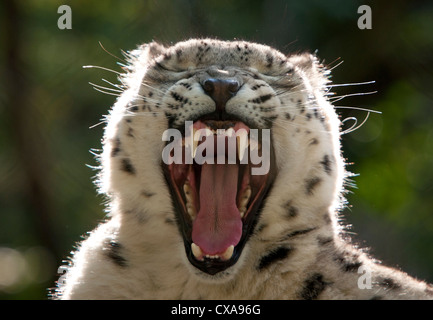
x,y
358,108
105,92
350,84
102,68
354,126
104,88
338,98
111,54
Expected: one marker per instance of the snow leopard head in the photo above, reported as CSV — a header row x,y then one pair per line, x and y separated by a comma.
x,y
233,142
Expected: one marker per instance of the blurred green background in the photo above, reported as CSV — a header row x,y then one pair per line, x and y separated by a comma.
x,y
47,199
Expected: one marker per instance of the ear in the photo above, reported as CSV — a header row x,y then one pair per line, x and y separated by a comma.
x,y
308,64
146,52
304,61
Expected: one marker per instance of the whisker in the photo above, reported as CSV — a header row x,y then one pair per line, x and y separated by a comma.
x,y
338,98
109,93
350,84
104,88
119,86
337,65
98,124
102,68
149,86
358,108
111,54
354,126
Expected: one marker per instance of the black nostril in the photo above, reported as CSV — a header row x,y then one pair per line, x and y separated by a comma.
x,y
220,90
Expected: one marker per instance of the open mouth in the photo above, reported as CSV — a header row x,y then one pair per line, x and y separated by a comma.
x,y
216,194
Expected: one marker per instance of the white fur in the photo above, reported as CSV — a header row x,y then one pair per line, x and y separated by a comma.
x,y
141,216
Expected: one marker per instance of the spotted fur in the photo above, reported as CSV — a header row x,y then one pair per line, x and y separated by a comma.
x,y
296,250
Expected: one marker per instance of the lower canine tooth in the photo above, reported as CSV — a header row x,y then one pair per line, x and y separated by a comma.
x,y
196,251
228,253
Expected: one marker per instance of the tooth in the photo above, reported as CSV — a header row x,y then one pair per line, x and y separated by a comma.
x,y
242,211
209,132
195,139
187,189
242,140
253,145
228,253
245,197
196,251
230,132
189,200
191,210
247,193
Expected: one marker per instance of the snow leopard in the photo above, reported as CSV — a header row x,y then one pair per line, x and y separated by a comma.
x,y
238,225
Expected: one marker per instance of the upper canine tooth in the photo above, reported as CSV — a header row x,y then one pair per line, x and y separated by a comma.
x,y
228,253
195,139
242,140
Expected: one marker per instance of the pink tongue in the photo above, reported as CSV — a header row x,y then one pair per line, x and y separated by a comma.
x,y
218,224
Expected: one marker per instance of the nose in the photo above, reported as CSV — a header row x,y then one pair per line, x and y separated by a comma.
x,y
220,90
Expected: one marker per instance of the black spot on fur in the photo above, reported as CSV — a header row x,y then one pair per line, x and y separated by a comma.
x,y
127,166
265,97
255,87
116,147
178,97
324,241
170,221
376,298
147,194
311,184
113,250
275,256
313,141
300,105
390,284
313,287
269,60
351,266
270,120
130,132
261,227
291,210
327,218
348,262
326,163
298,233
